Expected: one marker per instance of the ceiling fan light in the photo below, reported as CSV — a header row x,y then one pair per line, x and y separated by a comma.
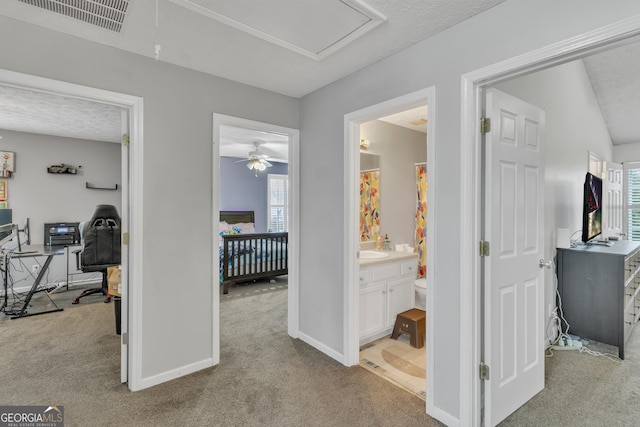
x,y
261,166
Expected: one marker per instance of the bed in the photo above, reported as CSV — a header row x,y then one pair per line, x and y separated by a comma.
x,y
245,255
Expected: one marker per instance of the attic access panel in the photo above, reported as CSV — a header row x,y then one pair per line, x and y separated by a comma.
x,y
311,28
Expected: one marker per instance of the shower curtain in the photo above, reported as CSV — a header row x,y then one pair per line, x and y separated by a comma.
x,y
421,219
369,205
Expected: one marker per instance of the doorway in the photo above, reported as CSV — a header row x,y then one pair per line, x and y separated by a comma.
x,y
131,160
473,87
352,138
292,135
393,201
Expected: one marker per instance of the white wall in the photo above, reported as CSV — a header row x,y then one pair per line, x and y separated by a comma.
x,y
177,293
574,126
399,149
45,197
506,30
626,152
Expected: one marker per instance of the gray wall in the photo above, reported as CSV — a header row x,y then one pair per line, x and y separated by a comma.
x,y
399,150
505,31
178,125
241,190
45,197
574,127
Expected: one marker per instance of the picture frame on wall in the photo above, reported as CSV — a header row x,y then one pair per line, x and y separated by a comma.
x,y
7,164
3,190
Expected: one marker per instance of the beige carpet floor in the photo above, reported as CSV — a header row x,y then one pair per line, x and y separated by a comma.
x,y
398,362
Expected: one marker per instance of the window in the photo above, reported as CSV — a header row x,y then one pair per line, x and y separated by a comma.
x,y
278,203
633,200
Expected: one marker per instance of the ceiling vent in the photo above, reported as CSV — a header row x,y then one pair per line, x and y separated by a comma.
x,y
107,14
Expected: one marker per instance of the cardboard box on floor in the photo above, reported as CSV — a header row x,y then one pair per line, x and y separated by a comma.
x,y
113,281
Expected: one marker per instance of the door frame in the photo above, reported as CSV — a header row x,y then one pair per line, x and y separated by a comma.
x,y
293,301
351,238
131,338
472,88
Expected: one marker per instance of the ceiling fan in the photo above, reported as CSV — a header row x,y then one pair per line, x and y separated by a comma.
x,y
256,160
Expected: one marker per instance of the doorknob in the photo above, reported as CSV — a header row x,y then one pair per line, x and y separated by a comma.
x,y
544,263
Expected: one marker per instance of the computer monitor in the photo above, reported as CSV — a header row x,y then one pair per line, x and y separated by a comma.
x,y
6,217
26,231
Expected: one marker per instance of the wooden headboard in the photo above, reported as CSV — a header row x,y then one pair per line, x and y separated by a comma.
x,y
234,217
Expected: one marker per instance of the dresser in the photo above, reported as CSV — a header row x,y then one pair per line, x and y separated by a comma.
x,y
599,288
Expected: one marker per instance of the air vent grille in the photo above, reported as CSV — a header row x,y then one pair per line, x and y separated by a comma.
x,y
107,14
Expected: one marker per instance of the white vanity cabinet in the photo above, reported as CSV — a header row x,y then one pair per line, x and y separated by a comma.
x,y
386,289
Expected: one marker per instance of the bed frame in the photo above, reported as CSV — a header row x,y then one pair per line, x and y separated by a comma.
x,y
234,249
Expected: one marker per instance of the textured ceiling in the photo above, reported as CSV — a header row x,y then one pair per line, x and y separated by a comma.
x,y
185,37
615,78
39,112
192,40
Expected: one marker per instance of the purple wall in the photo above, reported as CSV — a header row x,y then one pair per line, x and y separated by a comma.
x,y
241,190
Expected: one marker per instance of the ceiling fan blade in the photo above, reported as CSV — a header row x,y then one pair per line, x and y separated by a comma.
x,y
264,162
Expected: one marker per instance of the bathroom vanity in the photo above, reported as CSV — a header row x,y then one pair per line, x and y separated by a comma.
x,y
386,289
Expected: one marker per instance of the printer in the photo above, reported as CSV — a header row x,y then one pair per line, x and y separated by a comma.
x,y
62,234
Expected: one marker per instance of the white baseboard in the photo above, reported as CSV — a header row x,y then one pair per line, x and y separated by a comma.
x,y
172,374
444,417
24,289
323,348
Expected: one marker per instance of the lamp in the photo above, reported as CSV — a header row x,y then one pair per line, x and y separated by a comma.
x,y
364,144
256,165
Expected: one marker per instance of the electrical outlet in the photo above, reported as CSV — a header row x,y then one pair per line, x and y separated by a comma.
x,y
35,268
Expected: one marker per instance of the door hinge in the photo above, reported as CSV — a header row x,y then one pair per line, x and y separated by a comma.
x,y
485,248
485,125
125,238
125,338
484,372
125,139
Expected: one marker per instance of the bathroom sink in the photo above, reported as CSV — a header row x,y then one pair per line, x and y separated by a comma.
x,y
373,254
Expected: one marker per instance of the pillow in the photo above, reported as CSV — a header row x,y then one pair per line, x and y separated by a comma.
x,y
223,228
245,227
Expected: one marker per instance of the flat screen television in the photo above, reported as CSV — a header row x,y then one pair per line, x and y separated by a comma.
x,y
592,208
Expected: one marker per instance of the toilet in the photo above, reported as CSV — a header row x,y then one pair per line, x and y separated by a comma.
x,y
421,294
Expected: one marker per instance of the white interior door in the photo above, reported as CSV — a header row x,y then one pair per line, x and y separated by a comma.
x,y
613,215
513,326
124,301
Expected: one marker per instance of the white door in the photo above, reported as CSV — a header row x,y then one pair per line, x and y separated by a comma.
x,y
612,215
124,299
513,280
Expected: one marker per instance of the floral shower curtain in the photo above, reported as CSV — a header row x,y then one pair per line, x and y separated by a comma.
x,y
421,219
369,205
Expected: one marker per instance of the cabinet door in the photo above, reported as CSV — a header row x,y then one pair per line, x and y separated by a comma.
x,y
372,309
401,297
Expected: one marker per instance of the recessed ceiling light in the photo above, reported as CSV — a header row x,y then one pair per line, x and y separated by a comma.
x,y
419,122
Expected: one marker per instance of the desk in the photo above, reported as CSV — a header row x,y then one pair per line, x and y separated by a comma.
x,y
32,251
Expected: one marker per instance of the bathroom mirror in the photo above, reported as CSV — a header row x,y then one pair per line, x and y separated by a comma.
x,y
369,161
369,197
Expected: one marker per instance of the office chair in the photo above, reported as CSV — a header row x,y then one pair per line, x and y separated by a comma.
x,y
100,237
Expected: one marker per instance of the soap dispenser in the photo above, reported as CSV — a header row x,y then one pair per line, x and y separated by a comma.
x,y
387,243
379,243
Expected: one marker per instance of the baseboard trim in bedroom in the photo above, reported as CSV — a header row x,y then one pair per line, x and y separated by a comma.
x,y
322,348
174,373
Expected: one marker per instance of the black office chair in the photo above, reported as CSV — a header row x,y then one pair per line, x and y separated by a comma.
x,y
101,239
